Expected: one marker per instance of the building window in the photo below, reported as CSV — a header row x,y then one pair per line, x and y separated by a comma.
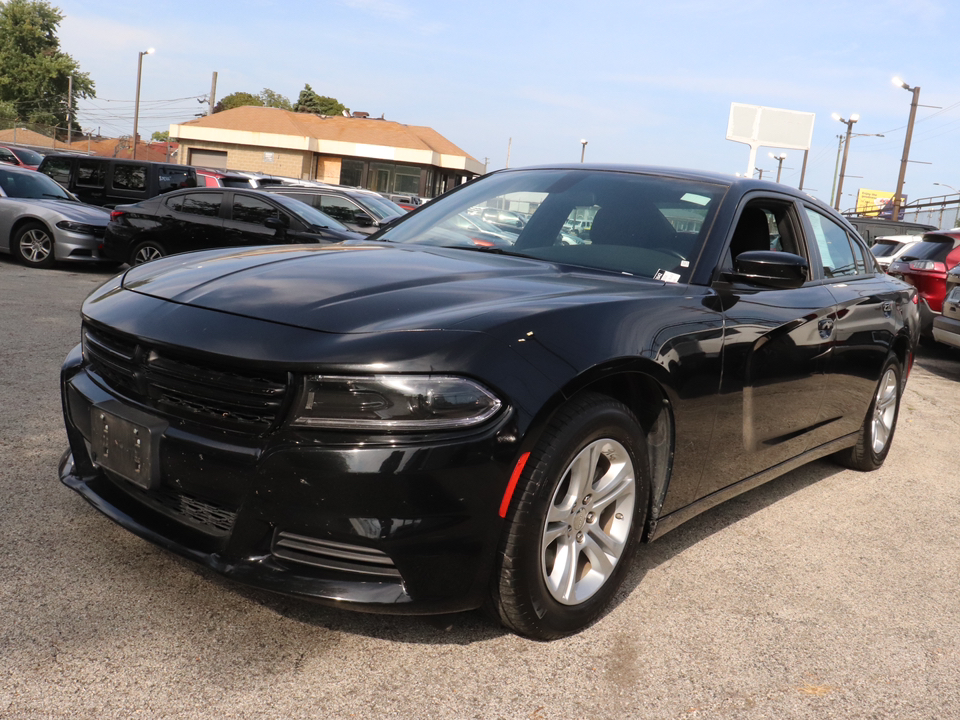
x,y
351,172
407,180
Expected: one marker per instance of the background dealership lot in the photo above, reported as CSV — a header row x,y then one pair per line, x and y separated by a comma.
x,y
826,593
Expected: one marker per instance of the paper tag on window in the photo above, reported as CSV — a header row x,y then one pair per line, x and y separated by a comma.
x,y
666,276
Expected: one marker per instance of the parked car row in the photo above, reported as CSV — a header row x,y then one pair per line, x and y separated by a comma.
x,y
924,265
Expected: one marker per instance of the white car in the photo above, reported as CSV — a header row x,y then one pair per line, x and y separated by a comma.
x,y
889,248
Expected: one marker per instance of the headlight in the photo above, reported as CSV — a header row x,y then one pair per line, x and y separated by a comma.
x,y
77,227
393,402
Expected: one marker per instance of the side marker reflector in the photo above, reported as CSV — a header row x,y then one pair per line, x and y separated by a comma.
x,y
512,485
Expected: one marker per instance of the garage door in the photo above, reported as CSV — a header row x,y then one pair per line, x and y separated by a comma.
x,y
214,159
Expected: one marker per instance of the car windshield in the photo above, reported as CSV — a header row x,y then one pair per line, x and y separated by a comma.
x,y
30,184
28,157
308,213
381,207
637,224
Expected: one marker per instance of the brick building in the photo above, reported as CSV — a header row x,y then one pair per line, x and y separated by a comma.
x,y
359,150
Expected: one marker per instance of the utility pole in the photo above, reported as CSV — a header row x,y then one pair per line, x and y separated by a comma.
x,y
898,197
213,92
70,110
846,149
509,145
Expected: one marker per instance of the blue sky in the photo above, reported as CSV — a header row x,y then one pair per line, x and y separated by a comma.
x,y
643,82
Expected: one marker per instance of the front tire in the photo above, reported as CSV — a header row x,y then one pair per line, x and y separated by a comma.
x,y
876,433
575,522
147,251
33,245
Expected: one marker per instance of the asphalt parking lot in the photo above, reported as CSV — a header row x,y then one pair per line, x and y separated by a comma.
x,y
827,593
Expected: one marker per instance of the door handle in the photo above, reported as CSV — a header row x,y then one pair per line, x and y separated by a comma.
x,y
825,326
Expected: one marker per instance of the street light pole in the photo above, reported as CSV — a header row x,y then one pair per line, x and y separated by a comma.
x,y
846,149
898,197
583,150
136,104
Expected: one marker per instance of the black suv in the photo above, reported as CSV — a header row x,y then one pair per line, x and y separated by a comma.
x,y
108,181
363,211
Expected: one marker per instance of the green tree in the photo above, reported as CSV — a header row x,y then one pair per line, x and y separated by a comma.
x,y
160,136
274,99
310,102
237,99
34,72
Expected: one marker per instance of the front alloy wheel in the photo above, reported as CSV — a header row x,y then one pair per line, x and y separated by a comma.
x,y
588,522
34,246
575,520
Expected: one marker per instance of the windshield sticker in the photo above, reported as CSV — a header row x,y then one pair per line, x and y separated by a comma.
x,y
667,276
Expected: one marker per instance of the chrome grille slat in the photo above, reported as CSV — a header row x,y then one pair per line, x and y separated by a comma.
x,y
332,555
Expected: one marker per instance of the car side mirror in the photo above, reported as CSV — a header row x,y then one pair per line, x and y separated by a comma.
x,y
276,223
362,219
770,269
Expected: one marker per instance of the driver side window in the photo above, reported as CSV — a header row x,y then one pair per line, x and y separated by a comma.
x,y
765,225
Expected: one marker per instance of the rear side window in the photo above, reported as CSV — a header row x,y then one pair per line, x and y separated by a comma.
x,y
128,176
91,173
835,249
58,169
206,204
173,177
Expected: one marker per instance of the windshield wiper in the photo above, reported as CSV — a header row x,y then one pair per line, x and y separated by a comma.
x,y
493,249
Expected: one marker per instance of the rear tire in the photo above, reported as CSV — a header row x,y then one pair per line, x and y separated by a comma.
x,y
147,251
876,433
575,521
33,245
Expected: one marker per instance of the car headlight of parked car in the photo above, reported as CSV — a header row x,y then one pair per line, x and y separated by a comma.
x,y
393,402
76,227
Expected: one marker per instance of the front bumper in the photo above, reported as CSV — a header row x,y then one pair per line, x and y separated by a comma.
x,y
406,526
71,246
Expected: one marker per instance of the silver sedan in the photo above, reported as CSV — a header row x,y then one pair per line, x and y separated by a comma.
x,y
41,223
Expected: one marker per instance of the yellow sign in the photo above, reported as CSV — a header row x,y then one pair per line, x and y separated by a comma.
x,y
872,203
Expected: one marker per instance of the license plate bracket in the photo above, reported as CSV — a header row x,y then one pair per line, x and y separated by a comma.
x,y
126,442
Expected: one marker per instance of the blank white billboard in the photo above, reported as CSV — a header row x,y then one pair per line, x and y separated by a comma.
x,y
760,126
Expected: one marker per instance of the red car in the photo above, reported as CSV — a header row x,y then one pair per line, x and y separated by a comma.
x,y
21,157
925,267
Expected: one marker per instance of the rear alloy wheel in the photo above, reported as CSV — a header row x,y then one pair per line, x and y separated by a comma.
x,y
575,521
876,433
147,251
33,245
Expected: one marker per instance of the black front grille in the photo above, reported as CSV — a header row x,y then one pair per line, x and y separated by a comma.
x,y
219,396
333,555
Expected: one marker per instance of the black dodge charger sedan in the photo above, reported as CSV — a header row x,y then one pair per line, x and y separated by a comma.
x,y
413,423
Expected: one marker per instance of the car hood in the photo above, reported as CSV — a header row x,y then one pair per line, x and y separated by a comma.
x,y
73,211
355,289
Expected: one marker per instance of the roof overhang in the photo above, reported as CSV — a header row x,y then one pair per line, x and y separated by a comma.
x,y
185,133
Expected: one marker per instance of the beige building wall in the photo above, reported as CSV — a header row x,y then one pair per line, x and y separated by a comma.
x,y
273,161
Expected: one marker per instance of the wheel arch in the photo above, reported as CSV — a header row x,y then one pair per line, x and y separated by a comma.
x,y
639,384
